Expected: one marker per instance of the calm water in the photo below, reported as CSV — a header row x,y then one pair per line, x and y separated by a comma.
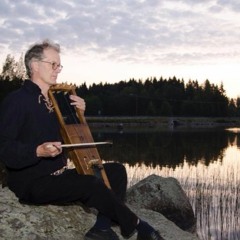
x,y
205,161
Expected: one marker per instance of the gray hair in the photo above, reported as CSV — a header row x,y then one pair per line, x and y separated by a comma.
x,y
35,52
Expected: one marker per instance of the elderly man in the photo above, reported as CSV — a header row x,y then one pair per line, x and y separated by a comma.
x,y
28,126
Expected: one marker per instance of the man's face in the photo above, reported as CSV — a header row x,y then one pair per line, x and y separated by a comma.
x,y
49,67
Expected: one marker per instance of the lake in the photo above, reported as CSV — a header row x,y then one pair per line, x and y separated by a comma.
x,y
206,162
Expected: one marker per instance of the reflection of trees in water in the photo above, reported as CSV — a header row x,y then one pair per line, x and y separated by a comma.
x,y
167,148
238,140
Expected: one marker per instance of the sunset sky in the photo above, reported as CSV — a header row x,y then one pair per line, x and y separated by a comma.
x,y
114,40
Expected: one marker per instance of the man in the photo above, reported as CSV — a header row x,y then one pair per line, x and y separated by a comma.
x,y
30,147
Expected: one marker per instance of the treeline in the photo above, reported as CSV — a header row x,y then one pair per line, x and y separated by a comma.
x,y
158,97
151,97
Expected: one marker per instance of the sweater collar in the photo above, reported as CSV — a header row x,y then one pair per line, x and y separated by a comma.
x,y
32,87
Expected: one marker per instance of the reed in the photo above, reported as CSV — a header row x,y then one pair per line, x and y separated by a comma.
x,y
213,192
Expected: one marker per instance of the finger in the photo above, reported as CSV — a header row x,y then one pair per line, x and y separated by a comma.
x,y
49,146
58,148
81,106
53,154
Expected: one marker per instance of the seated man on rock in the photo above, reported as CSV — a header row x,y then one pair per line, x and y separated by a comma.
x,y
30,148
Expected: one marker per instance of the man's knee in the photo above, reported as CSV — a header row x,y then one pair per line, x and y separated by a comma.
x,y
116,168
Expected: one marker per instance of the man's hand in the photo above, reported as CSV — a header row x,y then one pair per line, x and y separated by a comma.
x,y
49,149
78,102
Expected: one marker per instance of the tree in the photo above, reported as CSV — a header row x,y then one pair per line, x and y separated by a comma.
x,y
151,109
21,72
12,69
9,66
166,109
238,106
232,108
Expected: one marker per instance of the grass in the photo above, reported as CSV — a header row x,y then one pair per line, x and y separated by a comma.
x,y
213,192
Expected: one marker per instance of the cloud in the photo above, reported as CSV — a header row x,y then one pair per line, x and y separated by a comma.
x,y
186,32
127,27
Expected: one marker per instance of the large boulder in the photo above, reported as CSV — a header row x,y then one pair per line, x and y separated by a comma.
x,y
165,196
71,222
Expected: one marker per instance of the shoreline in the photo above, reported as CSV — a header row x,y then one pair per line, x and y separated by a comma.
x,y
161,122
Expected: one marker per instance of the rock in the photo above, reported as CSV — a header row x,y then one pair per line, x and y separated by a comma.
x,y
40,222
71,222
168,230
166,196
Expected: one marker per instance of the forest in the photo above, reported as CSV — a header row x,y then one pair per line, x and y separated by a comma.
x,y
137,97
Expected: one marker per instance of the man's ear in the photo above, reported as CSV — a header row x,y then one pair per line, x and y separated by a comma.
x,y
34,66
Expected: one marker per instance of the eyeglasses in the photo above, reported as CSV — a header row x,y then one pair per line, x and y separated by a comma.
x,y
55,66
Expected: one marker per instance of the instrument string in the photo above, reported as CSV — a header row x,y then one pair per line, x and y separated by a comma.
x,y
79,129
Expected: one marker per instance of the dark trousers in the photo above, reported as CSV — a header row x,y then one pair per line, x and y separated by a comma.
x,y
91,191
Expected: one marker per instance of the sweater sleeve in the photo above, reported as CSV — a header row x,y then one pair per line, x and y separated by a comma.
x,y
14,152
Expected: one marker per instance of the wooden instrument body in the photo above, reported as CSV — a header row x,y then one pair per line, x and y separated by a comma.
x,y
74,129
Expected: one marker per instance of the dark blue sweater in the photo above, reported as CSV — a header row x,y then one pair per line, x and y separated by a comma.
x,y
25,123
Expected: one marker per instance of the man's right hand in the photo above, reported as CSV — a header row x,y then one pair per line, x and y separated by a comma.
x,y
49,149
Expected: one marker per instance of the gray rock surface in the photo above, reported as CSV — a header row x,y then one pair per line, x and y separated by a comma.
x,y
166,196
29,222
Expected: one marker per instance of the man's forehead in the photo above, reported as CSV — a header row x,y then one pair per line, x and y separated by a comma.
x,y
50,52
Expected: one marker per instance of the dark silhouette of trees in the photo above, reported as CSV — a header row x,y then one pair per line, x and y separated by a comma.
x,y
158,97
12,75
150,97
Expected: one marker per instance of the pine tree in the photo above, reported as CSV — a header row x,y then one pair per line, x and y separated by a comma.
x,y
8,71
21,72
12,69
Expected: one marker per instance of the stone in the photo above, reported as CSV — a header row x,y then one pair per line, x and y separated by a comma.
x,y
165,196
71,222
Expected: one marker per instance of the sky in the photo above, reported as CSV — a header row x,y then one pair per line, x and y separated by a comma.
x,y
110,41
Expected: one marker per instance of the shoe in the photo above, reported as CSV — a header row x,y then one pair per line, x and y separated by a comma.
x,y
153,236
97,234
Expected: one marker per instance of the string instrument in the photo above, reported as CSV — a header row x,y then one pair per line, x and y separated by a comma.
x,y
76,134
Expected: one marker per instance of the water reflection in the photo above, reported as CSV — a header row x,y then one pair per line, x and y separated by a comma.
x,y
168,148
206,163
